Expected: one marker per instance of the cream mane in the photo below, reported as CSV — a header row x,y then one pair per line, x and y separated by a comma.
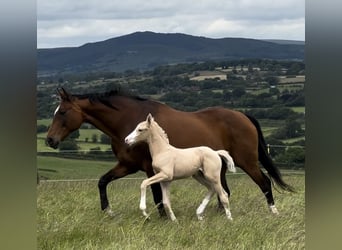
x,y
161,131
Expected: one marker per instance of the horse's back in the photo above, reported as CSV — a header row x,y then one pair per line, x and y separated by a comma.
x,y
216,127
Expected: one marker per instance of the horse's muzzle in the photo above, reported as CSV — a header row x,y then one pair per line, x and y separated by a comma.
x,y
52,143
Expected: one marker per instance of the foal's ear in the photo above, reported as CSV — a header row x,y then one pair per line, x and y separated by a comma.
x,y
65,96
149,119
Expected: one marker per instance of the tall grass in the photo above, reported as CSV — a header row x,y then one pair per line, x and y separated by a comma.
x,y
69,217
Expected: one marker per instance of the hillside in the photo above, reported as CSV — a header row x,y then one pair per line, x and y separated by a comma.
x,y
145,50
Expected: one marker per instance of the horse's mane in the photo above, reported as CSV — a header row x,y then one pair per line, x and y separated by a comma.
x,y
105,98
161,131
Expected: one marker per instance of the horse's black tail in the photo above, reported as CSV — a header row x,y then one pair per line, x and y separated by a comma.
x,y
266,160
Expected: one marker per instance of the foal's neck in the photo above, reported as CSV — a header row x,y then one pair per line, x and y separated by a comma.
x,y
156,142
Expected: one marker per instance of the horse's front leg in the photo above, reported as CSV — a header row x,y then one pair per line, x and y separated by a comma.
x,y
117,172
147,182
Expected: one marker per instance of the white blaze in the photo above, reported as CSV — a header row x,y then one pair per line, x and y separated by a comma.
x,y
56,110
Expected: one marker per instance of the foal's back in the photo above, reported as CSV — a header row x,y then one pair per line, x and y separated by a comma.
x,y
187,162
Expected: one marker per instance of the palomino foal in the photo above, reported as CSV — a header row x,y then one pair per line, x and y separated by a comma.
x,y
170,163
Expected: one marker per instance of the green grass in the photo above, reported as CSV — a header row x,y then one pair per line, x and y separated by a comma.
x,y
45,122
60,168
298,109
69,217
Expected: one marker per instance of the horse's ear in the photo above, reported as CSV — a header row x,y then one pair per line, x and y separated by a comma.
x,y
65,96
149,119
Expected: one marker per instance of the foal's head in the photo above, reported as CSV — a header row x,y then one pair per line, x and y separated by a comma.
x,y
143,131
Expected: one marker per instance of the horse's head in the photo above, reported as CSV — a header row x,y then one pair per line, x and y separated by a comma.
x,y
67,118
141,132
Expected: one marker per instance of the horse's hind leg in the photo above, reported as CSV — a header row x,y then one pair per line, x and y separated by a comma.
x,y
265,185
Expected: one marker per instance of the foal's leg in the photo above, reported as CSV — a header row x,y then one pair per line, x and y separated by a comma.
x,y
165,187
156,192
200,210
204,203
223,198
147,182
223,182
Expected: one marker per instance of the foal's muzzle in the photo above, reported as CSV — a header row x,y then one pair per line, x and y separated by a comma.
x,y
128,141
52,143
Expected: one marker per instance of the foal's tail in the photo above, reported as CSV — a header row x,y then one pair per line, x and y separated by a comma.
x,y
225,156
266,160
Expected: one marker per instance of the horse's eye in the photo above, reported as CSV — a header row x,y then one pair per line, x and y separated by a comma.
x,y
140,130
62,112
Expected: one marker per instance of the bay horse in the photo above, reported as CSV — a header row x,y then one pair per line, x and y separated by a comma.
x,y
170,163
116,114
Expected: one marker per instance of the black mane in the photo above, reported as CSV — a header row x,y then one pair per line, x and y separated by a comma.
x,y
105,98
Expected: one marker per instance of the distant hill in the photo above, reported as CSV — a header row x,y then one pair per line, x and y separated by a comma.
x,y
293,42
145,50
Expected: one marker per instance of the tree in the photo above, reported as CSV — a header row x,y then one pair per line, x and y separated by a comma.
x,y
272,80
68,144
105,139
293,156
94,138
238,92
293,128
42,128
75,134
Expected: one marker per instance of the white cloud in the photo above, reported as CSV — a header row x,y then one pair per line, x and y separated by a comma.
x,y
73,23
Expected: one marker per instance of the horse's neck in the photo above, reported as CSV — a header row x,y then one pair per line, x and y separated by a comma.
x,y
157,143
103,118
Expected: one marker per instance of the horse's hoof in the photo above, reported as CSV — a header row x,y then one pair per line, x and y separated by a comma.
x,y
162,212
274,210
108,211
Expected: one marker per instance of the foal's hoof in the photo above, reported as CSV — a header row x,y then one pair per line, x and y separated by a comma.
x,y
147,218
200,217
146,215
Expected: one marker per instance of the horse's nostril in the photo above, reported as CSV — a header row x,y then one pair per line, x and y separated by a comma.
x,y
49,141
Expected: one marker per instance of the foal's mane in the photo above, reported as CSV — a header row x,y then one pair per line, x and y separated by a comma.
x,y
105,98
161,131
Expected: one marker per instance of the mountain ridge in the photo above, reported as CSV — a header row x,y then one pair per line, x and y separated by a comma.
x,y
145,49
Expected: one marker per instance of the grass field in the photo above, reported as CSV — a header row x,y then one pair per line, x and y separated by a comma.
x,y
69,215
54,168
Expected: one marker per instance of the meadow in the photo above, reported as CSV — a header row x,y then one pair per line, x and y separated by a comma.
x,y
69,215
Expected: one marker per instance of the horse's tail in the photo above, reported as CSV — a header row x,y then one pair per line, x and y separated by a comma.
x,y
225,156
266,160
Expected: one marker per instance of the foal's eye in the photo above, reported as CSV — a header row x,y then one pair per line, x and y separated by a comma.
x,y
140,130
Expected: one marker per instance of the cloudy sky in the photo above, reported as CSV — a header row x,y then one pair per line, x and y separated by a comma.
x,y
64,23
